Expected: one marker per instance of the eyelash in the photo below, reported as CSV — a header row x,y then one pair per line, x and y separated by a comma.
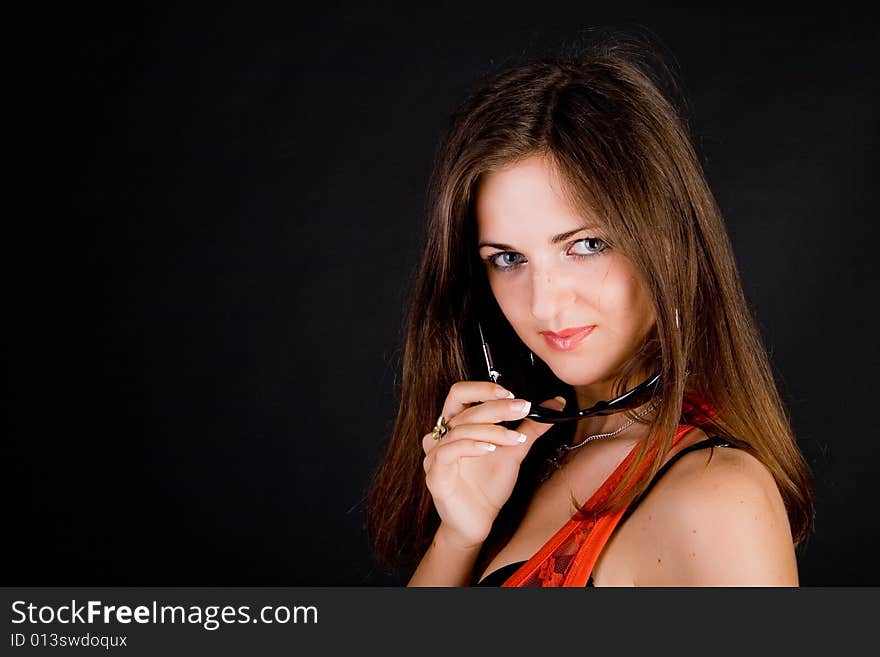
x,y
491,259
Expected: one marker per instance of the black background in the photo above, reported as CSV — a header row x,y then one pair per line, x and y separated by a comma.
x,y
214,230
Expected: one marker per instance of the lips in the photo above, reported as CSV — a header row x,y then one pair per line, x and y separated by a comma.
x,y
568,339
567,333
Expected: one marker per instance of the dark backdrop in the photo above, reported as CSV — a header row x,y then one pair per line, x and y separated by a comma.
x,y
217,229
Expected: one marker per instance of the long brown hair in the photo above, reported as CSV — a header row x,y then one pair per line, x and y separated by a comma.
x,y
625,156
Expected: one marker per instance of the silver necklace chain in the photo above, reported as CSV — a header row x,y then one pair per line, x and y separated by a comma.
x,y
554,462
623,427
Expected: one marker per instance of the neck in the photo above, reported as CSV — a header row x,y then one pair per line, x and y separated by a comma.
x,y
602,391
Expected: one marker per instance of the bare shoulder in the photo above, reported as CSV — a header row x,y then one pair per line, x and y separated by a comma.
x,y
715,519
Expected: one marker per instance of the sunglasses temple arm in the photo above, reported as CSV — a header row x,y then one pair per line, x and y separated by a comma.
x,y
549,416
487,354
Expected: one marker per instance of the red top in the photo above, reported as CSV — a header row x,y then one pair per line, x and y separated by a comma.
x,y
567,559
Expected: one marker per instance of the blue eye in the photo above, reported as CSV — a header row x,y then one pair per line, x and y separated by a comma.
x,y
505,262
593,246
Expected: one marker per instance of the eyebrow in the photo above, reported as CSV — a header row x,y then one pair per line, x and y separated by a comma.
x,y
556,239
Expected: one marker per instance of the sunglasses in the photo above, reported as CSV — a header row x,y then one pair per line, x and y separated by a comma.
x,y
632,398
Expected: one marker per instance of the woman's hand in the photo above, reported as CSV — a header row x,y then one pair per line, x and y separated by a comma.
x,y
472,470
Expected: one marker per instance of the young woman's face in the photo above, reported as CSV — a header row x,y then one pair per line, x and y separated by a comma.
x,y
551,274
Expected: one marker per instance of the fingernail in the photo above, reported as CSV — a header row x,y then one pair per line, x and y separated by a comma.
x,y
561,400
501,393
488,446
522,438
520,406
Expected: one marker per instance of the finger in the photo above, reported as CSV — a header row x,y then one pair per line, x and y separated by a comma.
x,y
449,455
492,412
532,429
490,433
464,393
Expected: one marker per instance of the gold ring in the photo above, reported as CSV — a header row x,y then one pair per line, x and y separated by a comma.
x,y
440,429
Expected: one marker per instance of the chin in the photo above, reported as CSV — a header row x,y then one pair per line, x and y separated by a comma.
x,y
578,372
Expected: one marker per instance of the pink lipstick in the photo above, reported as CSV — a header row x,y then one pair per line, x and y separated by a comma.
x,y
569,339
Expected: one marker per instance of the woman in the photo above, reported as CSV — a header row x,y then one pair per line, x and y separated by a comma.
x,y
571,228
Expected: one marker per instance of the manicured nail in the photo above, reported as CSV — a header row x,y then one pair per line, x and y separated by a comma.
x,y
501,393
561,400
521,405
488,446
517,436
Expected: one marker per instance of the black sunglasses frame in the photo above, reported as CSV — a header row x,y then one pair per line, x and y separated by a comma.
x,y
632,398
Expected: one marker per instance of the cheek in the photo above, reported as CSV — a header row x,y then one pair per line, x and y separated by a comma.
x,y
627,295
513,302
638,312
507,297
623,300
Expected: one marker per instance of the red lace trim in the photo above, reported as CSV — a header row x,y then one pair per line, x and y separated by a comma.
x,y
567,559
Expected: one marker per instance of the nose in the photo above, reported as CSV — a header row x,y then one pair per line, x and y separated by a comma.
x,y
550,293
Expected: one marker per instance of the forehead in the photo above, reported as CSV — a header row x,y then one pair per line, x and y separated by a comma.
x,y
528,195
